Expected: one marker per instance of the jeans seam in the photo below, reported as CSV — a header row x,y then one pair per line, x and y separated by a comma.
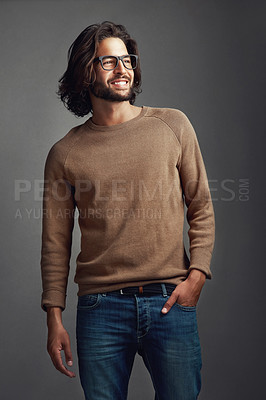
x,y
150,370
138,315
137,308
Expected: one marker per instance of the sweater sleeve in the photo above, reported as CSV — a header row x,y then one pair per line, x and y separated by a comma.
x,y
200,213
57,226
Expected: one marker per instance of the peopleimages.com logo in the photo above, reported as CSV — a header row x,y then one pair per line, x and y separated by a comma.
x,y
230,189
227,189
119,195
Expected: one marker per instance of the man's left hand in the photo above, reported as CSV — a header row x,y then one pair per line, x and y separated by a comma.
x,y
188,292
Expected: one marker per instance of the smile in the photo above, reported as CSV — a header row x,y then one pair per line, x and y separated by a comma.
x,y
120,83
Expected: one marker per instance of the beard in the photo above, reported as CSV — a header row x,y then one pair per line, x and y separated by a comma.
x,y
99,90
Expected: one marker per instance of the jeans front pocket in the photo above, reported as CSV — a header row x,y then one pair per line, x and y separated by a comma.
x,y
186,308
89,301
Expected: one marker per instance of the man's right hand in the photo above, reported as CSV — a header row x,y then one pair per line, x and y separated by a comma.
x,y
58,340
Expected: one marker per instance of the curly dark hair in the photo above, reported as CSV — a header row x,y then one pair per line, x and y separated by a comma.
x,y
74,84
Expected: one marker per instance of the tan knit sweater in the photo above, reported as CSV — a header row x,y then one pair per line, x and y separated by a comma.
x,y
128,182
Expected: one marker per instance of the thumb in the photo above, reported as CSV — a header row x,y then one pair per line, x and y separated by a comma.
x,y
170,302
68,354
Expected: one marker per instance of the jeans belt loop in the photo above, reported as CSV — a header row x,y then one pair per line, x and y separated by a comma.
x,y
164,290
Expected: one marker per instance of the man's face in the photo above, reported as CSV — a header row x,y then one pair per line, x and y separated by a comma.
x,y
116,85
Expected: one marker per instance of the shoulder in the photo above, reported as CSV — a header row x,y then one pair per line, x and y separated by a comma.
x,y
168,115
176,120
59,151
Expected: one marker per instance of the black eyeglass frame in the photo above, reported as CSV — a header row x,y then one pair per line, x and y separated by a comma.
x,y
117,61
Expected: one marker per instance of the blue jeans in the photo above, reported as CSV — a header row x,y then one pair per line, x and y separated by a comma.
x,y
112,327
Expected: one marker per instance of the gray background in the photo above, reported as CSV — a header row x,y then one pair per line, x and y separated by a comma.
x,y
206,58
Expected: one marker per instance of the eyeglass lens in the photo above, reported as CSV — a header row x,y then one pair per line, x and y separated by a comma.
x,y
110,62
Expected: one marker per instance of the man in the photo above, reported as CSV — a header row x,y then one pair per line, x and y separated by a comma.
x,y
128,171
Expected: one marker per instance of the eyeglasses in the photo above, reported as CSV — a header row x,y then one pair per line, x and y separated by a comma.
x,y
109,63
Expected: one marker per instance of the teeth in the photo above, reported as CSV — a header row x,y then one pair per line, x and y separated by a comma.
x,y
120,83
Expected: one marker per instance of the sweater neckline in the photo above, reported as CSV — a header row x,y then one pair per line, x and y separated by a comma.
x,y
123,125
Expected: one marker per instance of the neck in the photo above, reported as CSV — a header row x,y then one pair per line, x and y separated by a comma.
x,y
113,112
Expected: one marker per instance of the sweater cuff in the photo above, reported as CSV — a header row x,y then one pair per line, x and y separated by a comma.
x,y
200,259
53,298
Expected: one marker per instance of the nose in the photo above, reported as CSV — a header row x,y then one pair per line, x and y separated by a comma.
x,y
120,67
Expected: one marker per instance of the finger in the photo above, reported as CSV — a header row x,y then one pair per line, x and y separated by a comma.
x,y
170,302
58,363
